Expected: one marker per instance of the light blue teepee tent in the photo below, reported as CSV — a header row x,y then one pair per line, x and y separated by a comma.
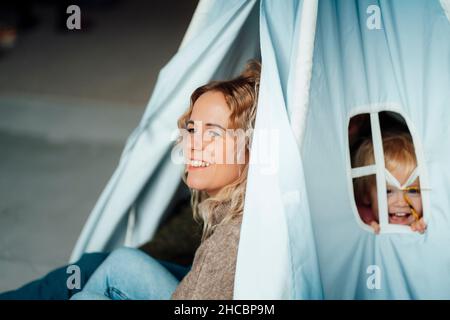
x,y
401,65
323,62
145,180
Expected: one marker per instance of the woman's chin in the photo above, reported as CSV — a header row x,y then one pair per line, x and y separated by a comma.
x,y
194,184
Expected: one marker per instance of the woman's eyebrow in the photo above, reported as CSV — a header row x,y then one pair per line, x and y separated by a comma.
x,y
215,125
207,124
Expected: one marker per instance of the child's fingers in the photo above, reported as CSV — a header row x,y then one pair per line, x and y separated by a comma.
x,y
419,226
375,226
423,225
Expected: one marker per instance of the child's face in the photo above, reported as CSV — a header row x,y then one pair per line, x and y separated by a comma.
x,y
398,209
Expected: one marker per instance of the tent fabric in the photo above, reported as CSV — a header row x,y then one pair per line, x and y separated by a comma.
x,y
446,6
215,52
276,214
301,235
404,67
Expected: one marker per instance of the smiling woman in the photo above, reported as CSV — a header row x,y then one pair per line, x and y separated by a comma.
x,y
218,126
215,137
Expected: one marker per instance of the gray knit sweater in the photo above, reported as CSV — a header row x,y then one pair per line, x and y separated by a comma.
x,y
214,266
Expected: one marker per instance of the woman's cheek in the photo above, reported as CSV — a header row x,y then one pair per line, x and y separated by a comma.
x,y
227,174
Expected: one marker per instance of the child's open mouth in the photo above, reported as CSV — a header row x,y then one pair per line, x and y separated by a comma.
x,y
400,218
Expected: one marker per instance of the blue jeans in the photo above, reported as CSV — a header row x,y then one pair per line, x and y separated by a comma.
x,y
129,274
53,285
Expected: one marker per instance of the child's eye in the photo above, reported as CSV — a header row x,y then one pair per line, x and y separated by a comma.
x,y
190,130
388,191
414,191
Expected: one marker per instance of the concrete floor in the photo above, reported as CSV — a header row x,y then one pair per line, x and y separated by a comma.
x,y
67,104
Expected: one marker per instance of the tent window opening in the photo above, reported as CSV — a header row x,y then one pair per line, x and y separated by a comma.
x,y
385,174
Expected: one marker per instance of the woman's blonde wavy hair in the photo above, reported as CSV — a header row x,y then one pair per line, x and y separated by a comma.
x,y
241,95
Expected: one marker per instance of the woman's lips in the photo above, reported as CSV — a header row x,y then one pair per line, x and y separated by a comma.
x,y
197,164
189,167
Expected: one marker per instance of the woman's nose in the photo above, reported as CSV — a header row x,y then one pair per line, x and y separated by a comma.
x,y
197,141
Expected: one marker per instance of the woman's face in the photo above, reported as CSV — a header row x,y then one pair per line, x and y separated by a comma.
x,y
208,147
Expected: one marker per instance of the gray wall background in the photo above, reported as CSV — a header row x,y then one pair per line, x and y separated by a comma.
x,y
68,101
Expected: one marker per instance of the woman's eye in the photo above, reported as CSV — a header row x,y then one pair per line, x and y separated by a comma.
x,y
389,191
214,133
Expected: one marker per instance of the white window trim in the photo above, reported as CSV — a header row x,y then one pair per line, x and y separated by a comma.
x,y
378,168
364,171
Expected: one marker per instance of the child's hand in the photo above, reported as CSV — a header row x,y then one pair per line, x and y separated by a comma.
x,y
375,226
419,226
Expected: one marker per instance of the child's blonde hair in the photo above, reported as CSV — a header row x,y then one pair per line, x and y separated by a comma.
x,y
241,95
398,151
